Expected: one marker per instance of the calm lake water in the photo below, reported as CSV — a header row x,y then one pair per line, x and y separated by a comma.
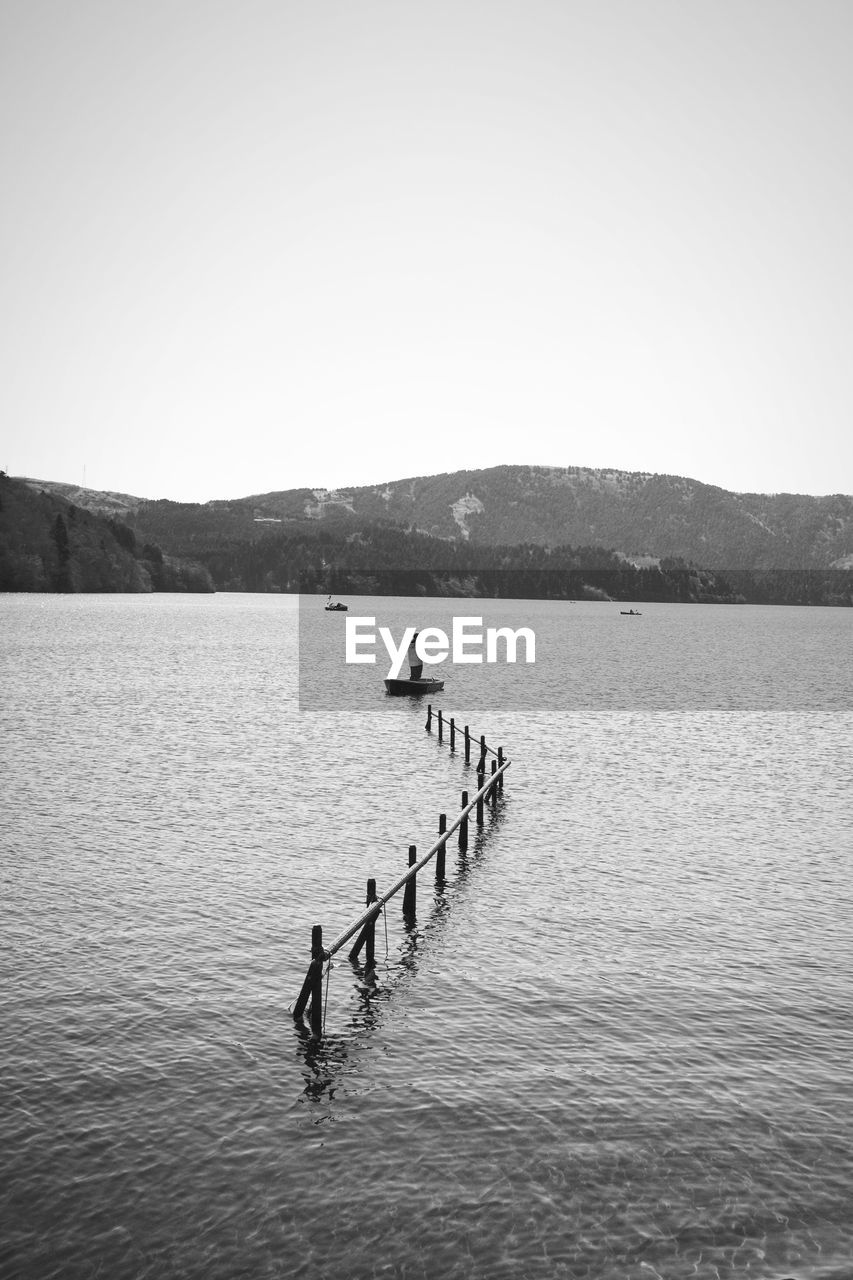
x,y
617,1044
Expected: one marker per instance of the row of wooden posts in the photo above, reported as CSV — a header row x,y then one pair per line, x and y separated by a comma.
x,y
467,737
489,787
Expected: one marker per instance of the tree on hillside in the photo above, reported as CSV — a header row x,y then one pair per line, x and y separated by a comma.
x,y
59,533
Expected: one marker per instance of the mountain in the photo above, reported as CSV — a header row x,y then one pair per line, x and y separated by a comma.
x,y
507,531
50,544
635,513
340,551
642,516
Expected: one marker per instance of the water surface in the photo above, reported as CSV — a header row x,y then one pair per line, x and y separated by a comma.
x,y
616,1045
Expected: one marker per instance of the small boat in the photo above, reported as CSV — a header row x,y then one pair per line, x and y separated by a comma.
x,y
630,613
335,608
423,685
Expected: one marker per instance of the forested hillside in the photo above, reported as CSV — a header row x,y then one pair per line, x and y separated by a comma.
x,y
50,544
356,556
632,512
640,537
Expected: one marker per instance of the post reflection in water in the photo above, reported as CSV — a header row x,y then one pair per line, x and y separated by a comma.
x,y
323,1062
327,1060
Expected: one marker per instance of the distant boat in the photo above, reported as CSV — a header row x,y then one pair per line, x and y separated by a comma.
x,y
630,613
335,608
424,685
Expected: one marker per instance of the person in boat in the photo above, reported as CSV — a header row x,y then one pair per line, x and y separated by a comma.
x,y
416,666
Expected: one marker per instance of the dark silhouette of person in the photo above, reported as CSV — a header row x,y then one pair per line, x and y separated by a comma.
x,y
416,666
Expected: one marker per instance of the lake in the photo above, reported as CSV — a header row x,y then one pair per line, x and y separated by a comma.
x,y
617,1043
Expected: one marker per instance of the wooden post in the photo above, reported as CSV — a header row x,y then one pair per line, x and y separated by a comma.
x,y
467,746
481,767
452,734
370,958
493,794
411,891
317,981
440,726
463,826
367,936
481,778
500,762
428,725
439,853
312,987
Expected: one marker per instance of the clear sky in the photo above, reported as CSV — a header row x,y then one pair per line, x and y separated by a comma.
x,y
257,244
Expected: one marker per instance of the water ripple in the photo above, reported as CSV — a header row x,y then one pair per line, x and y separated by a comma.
x,y
615,1044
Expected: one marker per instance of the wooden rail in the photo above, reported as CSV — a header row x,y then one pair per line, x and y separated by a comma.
x,y
364,926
